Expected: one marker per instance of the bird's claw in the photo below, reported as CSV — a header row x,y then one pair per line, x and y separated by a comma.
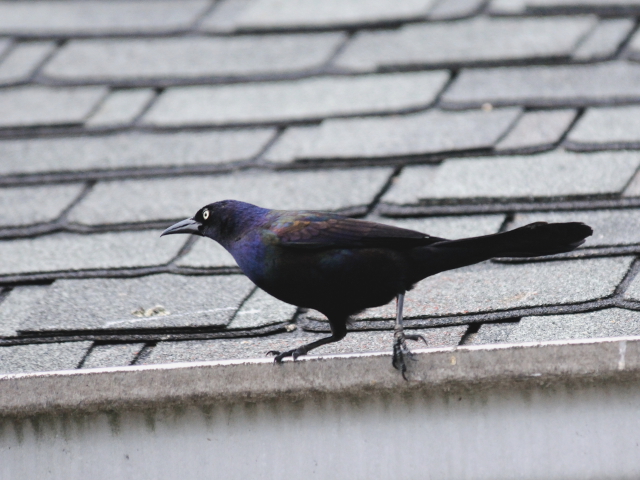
x,y
279,356
401,351
398,359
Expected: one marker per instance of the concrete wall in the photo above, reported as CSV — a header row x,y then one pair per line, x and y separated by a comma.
x,y
524,428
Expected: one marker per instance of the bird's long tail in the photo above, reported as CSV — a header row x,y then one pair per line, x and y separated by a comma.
x,y
533,240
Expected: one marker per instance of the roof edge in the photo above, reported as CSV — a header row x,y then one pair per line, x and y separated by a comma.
x,y
468,367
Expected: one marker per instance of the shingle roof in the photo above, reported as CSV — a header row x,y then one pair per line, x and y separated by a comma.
x,y
455,117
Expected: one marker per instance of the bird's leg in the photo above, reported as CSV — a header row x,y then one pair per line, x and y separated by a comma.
x,y
400,349
338,332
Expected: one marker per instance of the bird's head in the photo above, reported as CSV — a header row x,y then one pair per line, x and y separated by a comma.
x,y
218,221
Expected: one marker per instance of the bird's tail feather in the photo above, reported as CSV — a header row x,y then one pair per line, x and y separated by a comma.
x,y
533,240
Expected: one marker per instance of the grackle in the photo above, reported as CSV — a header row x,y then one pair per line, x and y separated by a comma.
x,y
341,266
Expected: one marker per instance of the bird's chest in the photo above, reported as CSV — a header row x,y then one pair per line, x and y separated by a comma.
x,y
257,257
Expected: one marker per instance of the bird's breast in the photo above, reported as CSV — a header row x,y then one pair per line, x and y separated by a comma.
x,y
260,258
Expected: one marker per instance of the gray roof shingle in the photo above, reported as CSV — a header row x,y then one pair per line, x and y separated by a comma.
x,y
120,108
23,60
184,58
113,355
564,6
614,322
546,175
31,205
604,40
155,301
45,357
537,130
572,85
295,100
476,40
273,14
129,150
34,106
50,17
448,9
421,133
606,127
70,252
206,254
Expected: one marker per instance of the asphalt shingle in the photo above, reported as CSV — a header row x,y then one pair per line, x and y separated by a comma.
x,y
612,322
633,188
293,140
21,206
547,175
610,227
70,252
121,107
604,40
155,301
421,133
633,291
34,105
46,357
206,254
130,150
224,16
491,333
567,85
47,17
262,309
354,342
564,6
470,41
5,44
537,130
23,60
162,58
489,287
447,9
410,184
172,199
114,355
273,14
295,100
12,307
601,128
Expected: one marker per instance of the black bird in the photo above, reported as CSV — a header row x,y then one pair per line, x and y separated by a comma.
x,y
341,266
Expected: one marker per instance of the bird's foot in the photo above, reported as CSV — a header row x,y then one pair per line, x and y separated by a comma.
x,y
279,356
401,352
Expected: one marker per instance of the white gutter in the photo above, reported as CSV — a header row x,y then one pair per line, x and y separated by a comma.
x,y
553,410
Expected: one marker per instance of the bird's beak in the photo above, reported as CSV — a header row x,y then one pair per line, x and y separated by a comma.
x,y
185,226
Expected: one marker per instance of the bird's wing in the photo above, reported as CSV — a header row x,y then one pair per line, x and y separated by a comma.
x,y
324,231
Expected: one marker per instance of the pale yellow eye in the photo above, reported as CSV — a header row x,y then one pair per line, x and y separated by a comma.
x,y
205,214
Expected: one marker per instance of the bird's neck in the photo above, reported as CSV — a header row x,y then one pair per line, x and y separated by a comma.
x,y
241,221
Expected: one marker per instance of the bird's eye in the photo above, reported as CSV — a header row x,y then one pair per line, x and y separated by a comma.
x,y
205,214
